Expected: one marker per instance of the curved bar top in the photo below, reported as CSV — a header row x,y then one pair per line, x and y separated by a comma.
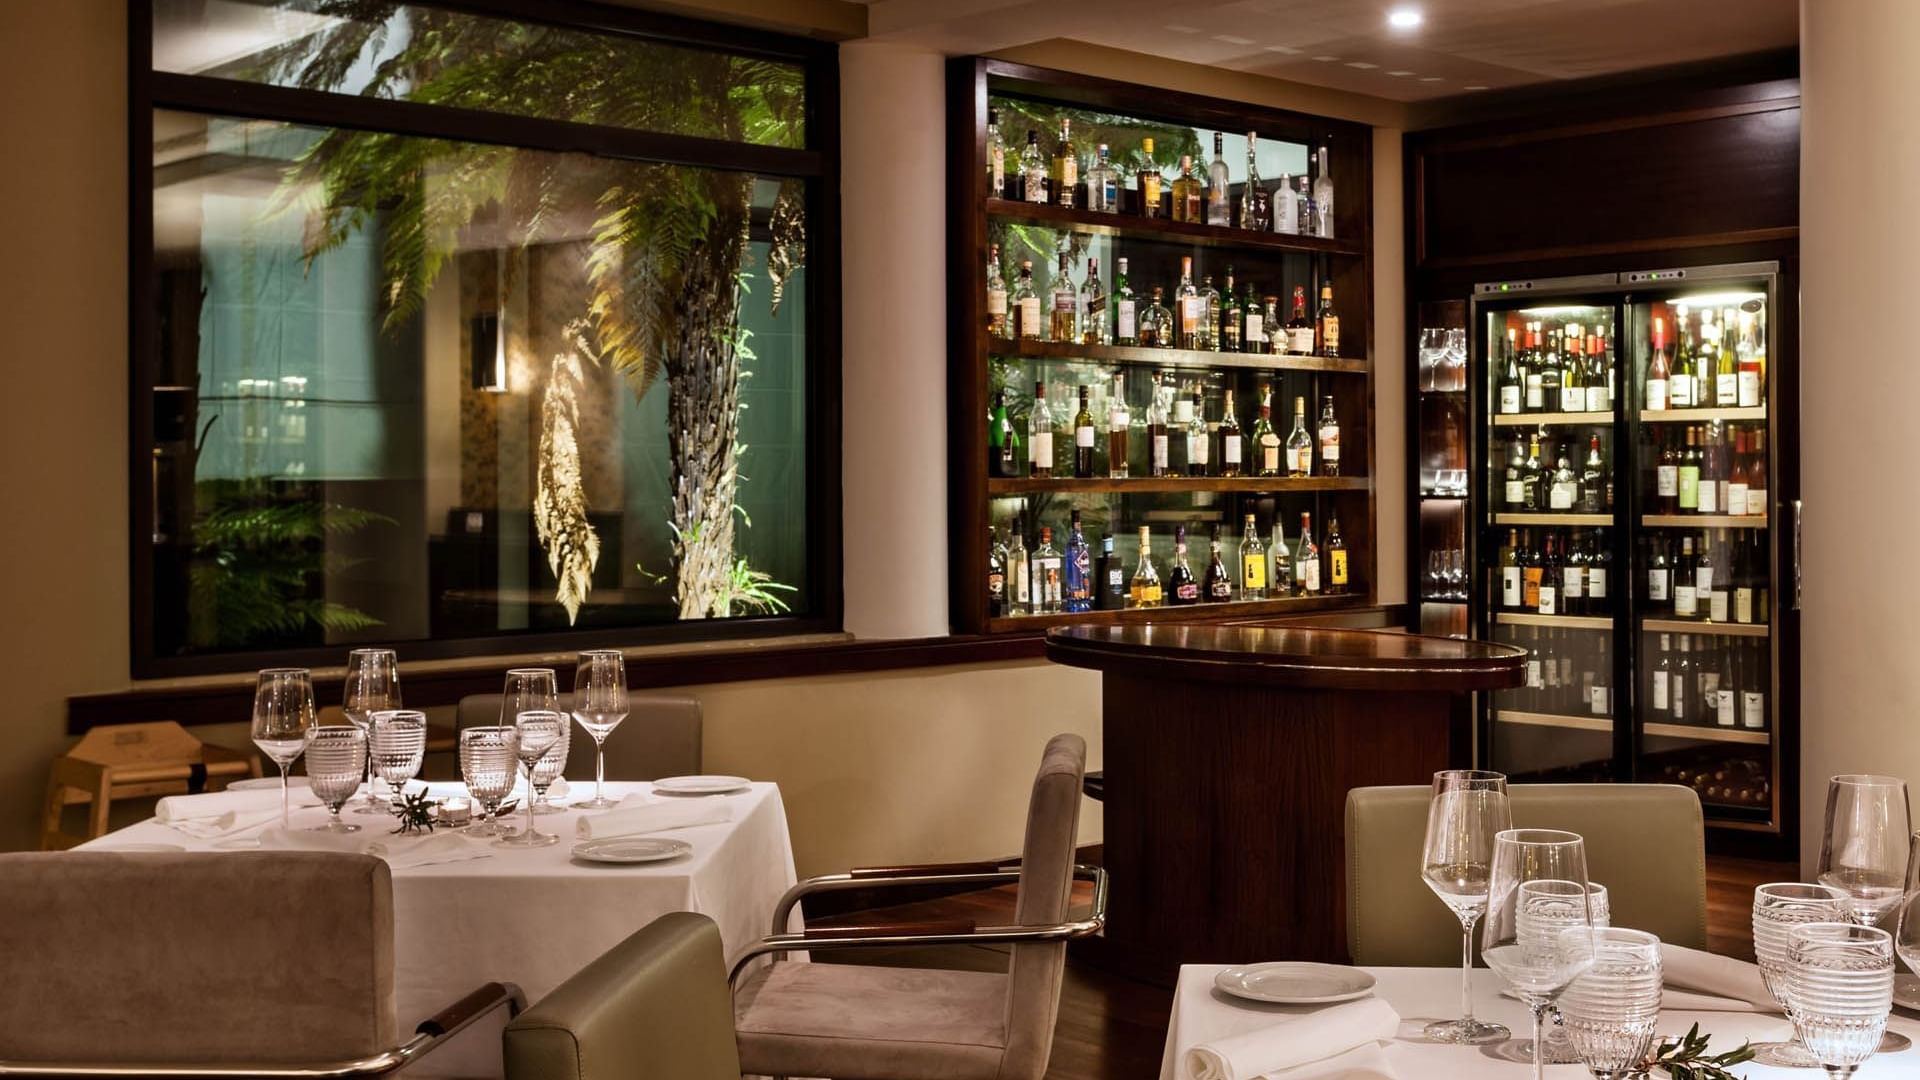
x,y
1300,658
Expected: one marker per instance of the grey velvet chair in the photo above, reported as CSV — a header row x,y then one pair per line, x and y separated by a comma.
x,y
267,964
1645,842
654,1006
660,736
850,1022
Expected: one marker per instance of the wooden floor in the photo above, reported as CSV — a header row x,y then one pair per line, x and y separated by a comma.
x,y
1114,1029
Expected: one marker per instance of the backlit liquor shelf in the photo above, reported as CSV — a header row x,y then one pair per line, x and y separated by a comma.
x,y
1172,358
1690,626
1565,622
1145,485
1549,419
1604,724
1591,520
1099,223
1277,607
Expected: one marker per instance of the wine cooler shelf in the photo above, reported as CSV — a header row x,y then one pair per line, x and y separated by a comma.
x,y
1605,724
1184,359
1648,416
1099,223
1148,485
1689,626
1704,521
1549,419
1568,622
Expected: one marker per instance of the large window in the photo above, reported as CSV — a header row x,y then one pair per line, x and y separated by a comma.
x,y
469,331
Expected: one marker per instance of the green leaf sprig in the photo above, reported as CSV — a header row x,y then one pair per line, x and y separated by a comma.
x,y
414,812
1686,1058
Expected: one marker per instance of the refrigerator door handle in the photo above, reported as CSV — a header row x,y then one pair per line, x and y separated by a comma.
x,y
1797,583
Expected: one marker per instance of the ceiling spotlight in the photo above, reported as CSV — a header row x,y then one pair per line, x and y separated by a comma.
x,y
1405,18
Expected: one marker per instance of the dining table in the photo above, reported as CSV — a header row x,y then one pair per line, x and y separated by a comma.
x,y
1203,1014
479,913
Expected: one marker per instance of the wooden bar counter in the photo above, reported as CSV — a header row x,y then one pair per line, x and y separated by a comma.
x,y
1228,753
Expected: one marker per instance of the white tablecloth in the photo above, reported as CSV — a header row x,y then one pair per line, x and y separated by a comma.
x,y
536,916
1421,995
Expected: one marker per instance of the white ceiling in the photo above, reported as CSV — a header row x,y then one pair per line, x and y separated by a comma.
x,y
1462,45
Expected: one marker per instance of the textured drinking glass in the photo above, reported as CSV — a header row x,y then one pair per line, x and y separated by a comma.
x,y
1609,1012
1840,980
282,715
1906,938
1468,809
488,765
372,685
1777,909
536,731
599,704
396,743
1539,934
1560,1049
336,763
551,766
1864,849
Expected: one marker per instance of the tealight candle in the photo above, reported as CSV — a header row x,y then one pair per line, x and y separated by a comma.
x,y
454,813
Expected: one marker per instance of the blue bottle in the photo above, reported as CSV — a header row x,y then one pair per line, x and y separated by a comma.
x,y
1079,590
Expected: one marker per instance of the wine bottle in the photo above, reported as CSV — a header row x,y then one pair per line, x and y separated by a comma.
x,y
1003,445
1119,422
1659,369
1230,439
1510,572
1040,435
1083,438
1019,575
1329,439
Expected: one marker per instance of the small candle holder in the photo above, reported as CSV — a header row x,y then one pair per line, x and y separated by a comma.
x,y
454,813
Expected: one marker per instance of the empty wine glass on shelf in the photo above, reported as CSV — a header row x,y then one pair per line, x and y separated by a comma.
x,y
1432,356
282,714
1840,980
372,685
1777,909
1539,933
1609,1012
1468,810
535,732
396,744
599,704
1864,850
488,765
336,762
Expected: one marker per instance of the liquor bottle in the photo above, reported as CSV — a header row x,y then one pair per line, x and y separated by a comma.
x,y
1147,179
1126,316
1510,572
1512,382
1119,421
1083,437
1550,371
1232,317
1329,439
1306,560
1191,307
996,157
1532,569
1599,375
1156,323
1003,444
1573,578
1661,693
1079,569
1726,373
1680,383
1599,561
1299,443
1092,306
1040,435
1337,578
1573,373
1065,170
1186,193
997,320
1065,322
1253,563
1103,183
1299,329
1255,212
1266,441
1688,475
1193,423
1033,170
1208,335
1323,195
1219,584
1019,574
1686,571
1593,480
1182,587
1159,452
1286,208
1110,588
1327,324
1048,569
1219,200
1144,590
1563,491
1230,440
1752,363
1254,324
1547,593
1026,304
1534,476
1600,696
996,575
1682,683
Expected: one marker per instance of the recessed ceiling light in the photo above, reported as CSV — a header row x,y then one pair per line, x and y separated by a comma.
x,y
1232,40
1288,49
1405,18
1179,29
1397,74
1430,78
1326,59
1362,65
1476,88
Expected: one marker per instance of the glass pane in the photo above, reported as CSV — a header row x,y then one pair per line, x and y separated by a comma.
x,y
412,388
414,52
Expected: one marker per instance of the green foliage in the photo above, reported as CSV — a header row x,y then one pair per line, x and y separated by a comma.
x,y
255,564
414,812
1686,1058
1122,134
753,592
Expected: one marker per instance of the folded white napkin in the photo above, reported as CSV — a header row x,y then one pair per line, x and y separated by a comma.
x,y
1328,1044
1697,981
642,814
218,813
400,852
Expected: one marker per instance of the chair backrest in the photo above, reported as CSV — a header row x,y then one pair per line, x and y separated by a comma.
x,y
1046,891
262,958
657,1005
660,736
1645,842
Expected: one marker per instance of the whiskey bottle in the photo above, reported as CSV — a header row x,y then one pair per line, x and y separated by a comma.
x,y
1065,172
1026,304
1158,448
1219,201
1119,420
1093,307
1186,193
1110,590
1192,308
1126,316
1299,443
1199,439
1156,323
1329,439
1033,170
1253,563
1083,438
1103,183
1219,585
1147,179
996,575
1255,211
997,321
996,157
1065,325
1019,575
1182,587
1144,590
1327,324
1003,445
1299,330
1079,569
1337,580
1040,435
1230,440
1048,570
1306,560
1266,441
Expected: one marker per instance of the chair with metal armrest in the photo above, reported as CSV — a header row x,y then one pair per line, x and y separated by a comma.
x,y
264,964
852,1022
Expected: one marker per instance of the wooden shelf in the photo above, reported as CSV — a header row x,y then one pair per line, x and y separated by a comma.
x,y
1555,720
1090,221
1548,419
1173,358
1682,416
1704,521
1553,519
1146,485
1708,734
1239,608
1570,622
1689,626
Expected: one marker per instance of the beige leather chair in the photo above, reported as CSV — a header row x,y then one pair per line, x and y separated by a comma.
x,y
660,736
1645,842
655,1006
870,1023
268,964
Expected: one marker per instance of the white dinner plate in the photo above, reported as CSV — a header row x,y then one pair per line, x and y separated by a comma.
x,y
1290,982
701,785
265,783
630,849
142,847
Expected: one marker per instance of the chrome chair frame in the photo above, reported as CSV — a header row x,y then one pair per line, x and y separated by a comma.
x,y
432,1033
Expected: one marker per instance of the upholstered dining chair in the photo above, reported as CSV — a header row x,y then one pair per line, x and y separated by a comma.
x,y
205,965
851,1022
660,736
1645,842
654,1006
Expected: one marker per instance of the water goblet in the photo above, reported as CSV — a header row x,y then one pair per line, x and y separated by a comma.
x,y
336,762
1906,937
535,732
1560,1049
1468,810
487,760
551,766
1777,909
599,704
282,714
397,743
1539,933
1609,1012
1864,849
372,685
1840,981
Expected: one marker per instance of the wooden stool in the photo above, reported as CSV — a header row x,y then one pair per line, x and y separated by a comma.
x,y
129,761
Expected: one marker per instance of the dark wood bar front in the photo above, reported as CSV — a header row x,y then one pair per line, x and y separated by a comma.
x,y
1229,751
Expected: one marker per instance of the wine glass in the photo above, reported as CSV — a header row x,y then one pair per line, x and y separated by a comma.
x,y
535,733
396,743
1560,1048
372,685
530,690
1840,981
1468,809
1906,938
282,714
552,766
487,757
599,704
1539,932
336,762
1777,909
1864,850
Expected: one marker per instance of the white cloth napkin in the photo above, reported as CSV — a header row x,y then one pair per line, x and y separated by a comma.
x,y
643,814
1697,981
400,852
1330,1044
218,813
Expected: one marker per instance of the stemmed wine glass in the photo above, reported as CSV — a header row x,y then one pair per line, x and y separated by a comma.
x,y
1906,938
1611,1009
531,690
1468,810
336,760
1864,851
1841,986
396,744
282,714
487,765
1539,932
1777,909
599,704
372,685
535,733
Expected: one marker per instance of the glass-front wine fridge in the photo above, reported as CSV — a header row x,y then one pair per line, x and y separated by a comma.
x,y
1601,483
